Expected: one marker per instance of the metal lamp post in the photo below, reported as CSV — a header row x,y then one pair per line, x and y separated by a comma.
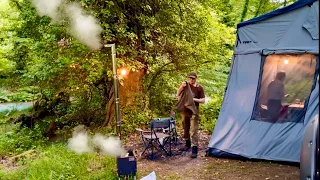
x,y
115,85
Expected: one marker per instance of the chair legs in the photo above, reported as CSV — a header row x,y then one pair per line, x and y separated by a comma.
x,y
158,146
167,140
151,145
170,149
175,136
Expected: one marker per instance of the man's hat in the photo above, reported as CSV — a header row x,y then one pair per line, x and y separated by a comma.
x,y
192,74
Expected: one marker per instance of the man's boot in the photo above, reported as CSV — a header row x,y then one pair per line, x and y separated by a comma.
x,y
187,146
194,152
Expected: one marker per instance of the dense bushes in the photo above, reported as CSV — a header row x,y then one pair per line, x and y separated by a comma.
x,y
18,140
210,112
24,94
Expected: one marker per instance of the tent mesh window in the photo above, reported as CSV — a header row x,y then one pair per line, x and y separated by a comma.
x,y
285,86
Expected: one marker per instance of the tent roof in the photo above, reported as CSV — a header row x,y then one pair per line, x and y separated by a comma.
x,y
296,5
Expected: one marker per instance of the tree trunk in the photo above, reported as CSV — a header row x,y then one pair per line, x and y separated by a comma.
x,y
245,10
109,108
259,8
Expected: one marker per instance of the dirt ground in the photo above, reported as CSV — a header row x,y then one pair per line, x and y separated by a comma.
x,y
181,166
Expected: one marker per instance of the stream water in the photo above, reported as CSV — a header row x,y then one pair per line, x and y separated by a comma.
x,y
15,105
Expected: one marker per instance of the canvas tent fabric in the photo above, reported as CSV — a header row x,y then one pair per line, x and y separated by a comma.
x,y
292,30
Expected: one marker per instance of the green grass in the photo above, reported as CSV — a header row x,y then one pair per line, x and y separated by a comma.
x,y
49,161
56,162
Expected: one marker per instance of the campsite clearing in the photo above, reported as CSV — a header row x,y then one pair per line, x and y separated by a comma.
x,y
181,166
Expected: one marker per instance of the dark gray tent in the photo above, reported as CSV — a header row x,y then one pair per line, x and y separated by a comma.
x,y
275,54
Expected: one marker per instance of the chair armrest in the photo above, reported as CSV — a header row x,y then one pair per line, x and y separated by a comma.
x,y
173,121
142,131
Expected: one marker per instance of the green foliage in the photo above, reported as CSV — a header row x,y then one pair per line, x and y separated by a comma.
x,y
6,67
224,9
162,93
252,8
22,97
3,97
213,79
245,10
11,135
133,119
298,90
19,140
90,112
161,39
210,112
56,162
8,21
25,94
5,116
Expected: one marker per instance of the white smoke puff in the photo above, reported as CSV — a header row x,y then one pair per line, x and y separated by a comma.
x,y
109,146
79,129
48,8
79,143
84,28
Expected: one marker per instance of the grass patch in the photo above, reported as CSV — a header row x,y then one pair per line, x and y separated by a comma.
x,y
50,161
56,162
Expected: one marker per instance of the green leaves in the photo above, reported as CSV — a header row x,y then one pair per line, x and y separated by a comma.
x,y
159,41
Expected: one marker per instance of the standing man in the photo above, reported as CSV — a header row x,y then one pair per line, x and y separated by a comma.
x,y
276,95
190,119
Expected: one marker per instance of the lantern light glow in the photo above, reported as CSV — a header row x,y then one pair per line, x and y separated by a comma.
x,y
123,72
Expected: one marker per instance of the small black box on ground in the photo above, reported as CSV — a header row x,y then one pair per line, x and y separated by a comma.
x,y
127,166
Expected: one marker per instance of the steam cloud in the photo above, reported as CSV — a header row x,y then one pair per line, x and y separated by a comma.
x,y
108,146
85,28
81,143
48,8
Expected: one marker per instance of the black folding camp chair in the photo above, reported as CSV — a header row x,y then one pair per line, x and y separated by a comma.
x,y
172,130
157,138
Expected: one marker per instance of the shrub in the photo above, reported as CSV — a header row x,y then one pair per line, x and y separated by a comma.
x,y
133,118
210,112
19,140
27,93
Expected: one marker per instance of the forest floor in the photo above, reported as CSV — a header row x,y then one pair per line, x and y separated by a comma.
x,y
181,166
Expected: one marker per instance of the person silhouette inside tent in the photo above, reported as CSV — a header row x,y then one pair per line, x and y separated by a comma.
x,y
275,96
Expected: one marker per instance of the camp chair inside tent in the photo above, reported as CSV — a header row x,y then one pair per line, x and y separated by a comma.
x,y
157,138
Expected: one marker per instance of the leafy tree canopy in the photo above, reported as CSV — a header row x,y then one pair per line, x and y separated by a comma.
x,y
158,41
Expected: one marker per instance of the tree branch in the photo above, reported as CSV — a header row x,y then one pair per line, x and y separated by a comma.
x,y
160,71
